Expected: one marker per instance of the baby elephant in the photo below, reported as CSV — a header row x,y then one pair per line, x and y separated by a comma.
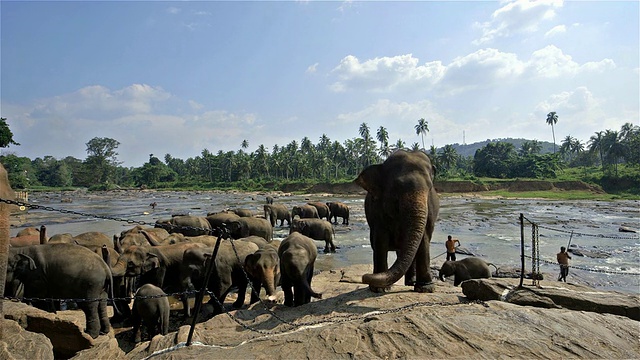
x,y
465,269
297,254
150,306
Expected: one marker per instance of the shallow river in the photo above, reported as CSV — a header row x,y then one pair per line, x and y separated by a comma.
x,y
488,228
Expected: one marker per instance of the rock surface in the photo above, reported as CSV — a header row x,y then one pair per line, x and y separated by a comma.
x,y
350,321
17,343
64,329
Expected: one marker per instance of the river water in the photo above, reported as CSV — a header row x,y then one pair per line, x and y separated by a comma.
x,y
488,228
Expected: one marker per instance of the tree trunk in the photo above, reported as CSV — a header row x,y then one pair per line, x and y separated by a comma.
x,y
7,194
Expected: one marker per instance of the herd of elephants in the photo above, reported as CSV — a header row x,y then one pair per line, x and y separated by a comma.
x,y
146,263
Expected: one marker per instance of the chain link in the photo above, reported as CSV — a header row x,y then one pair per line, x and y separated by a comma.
x,y
583,234
588,269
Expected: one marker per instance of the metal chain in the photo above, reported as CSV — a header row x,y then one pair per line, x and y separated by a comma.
x,y
588,269
583,234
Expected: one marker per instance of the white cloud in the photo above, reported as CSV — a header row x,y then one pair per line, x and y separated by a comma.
x,y
556,30
173,10
482,68
312,68
578,100
520,16
385,73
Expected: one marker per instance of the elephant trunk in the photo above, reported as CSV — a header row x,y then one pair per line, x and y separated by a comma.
x,y
43,234
441,276
149,238
413,228
269,284
119,269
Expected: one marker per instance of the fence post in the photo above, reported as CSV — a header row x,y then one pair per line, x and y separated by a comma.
x,y
200,296
521,249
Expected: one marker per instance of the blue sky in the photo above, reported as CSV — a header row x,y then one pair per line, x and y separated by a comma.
x,y
181,77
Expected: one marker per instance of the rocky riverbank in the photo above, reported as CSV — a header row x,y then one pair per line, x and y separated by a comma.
x,y
486,319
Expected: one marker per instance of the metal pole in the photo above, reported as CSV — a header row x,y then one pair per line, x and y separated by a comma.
x,y
569,244
521,249
200,295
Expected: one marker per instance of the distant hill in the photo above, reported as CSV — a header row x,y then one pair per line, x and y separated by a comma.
x,y
466,150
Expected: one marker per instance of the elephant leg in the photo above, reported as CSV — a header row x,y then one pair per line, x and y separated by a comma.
x,y
105,325
379,265
423,282
299,295
255,292
410,275
137,322
90,310
287,289
242,293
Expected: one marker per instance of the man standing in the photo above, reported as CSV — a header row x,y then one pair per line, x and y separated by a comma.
x,y
563,259
451,248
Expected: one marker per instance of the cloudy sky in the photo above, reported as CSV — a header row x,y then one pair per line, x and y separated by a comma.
x,y
181,77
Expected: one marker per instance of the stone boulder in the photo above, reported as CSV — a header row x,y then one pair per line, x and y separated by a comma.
x,y
106,348
18,343
65,329
554,295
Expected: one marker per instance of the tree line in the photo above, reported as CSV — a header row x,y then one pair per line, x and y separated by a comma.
x,y
324,161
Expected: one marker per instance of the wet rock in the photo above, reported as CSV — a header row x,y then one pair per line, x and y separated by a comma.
x,y
550,295
106,348
627,229
595,254
18,343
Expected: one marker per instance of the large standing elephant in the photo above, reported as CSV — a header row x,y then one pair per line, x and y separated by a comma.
x,y
297,255
275,212
221,219
304,211
227,272
317,229
339,209
465,269
65,271
186,224
247,226
401,207
263,268
323,209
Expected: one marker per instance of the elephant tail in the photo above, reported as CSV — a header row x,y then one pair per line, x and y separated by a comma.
x,y
110,293
307,288
497,269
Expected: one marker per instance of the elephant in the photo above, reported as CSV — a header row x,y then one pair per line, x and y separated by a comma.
x,y
93,239
65,271
275,212
317,229
29,236
323,209
304,211
465,269
151,307
244,226
339,209
157,265
297,255
227,272
219,220
186,224
263,268
139,235
243,212
65,238
401,207
269,199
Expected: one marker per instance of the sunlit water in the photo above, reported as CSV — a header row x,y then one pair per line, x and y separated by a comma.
x,y
489,228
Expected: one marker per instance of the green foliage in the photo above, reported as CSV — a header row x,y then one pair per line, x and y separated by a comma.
x,y
6,136
494,160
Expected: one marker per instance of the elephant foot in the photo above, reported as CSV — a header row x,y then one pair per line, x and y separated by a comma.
x,y
425,288
379,290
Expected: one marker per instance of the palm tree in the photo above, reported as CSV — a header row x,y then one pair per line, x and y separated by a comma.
x,y
245,144
566,146
552,119
382,135
399,144
448,157
596,143
421,129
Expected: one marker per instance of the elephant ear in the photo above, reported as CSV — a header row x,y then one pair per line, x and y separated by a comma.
x,y
27,260
370,179
152,262
434,171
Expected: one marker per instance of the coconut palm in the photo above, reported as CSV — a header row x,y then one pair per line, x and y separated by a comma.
x,y
422,128
552,119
